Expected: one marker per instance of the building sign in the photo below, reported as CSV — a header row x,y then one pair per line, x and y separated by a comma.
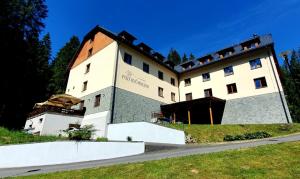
x,y
128,76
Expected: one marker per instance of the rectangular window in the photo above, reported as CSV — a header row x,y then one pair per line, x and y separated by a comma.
x,y
160,75
127,58
87,69
84,86
173,97
256,63
231,88
228,70
173,81
206,76
188,97
97,100
90,52
146,67
260,82
160,92
208,92
187,82
81,105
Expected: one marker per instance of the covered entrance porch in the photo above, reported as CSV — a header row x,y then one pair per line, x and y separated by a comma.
x,y
208,110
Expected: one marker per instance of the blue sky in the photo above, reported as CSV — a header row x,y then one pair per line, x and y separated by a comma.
x,y
189,26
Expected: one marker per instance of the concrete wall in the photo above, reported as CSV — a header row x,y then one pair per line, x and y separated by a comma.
x,y
260,109
243,77
52,153
131,107
51,123
144,131
99,121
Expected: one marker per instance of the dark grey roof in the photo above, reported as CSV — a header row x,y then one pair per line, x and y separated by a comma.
x,y
238,49
264,40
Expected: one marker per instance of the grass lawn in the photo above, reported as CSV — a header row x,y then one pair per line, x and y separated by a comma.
x,y
270,161
216,133
18,137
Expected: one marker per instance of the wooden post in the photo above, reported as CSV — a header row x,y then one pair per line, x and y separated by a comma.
x,y
189,117
174,117
211,116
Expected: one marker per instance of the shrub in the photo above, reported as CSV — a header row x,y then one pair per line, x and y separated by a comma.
x,y
229,138
84,133
129,139
247,136
101,139
285,127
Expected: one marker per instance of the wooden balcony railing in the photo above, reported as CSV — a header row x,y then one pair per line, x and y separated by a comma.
x,y
54,109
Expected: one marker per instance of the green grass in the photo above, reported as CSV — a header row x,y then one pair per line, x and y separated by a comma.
x,y
216,133
270,161
18,137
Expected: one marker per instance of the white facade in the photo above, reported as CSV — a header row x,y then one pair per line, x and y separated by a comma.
x,y
100,75
243,76
151,80
51,123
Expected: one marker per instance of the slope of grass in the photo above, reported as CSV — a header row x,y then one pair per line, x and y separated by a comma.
x,y
216,133
18,137
270,161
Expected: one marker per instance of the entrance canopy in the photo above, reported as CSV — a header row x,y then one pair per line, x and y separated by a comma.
x,y
208,110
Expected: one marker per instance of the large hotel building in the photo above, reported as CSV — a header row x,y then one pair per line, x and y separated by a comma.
x,y
119,81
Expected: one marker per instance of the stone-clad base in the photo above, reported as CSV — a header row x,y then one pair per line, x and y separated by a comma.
x,y
105,101
131,107
261,109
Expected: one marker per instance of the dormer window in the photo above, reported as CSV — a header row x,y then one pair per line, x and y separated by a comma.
x,y
226,52
187,65
251,44
144,47
205,59
127,37
158,56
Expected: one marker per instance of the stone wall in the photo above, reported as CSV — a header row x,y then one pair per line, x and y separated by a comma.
x,y
260,109
105,101
131,107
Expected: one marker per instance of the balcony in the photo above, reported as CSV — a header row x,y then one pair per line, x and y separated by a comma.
x,y
58,110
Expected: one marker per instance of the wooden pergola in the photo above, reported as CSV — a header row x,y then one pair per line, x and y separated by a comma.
x,y
208,110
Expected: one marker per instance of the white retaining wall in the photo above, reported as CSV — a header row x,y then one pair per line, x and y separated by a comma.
x,y
50,153
145,131
99,121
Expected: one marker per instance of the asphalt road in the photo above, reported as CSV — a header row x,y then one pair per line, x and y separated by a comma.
x,y
154,152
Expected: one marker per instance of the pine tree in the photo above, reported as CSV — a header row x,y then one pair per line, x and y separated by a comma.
x,y
59,66
191,57
291,84
184,58
22,69
174,56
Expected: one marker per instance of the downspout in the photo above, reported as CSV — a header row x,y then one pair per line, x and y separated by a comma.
x,y
114,86
281,98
